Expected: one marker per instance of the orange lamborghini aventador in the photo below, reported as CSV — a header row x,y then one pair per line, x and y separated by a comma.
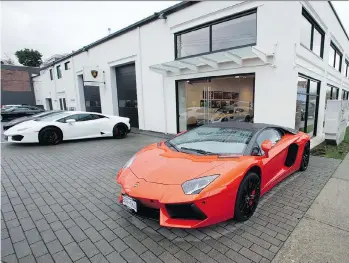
x,y
211,173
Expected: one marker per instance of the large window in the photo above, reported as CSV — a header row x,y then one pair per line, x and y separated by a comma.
x,y
345,95
210,100
237,31
312,36
347,68
308,91
335,58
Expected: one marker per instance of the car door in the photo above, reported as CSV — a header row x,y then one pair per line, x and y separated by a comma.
x,y
274,163
104,126
83,127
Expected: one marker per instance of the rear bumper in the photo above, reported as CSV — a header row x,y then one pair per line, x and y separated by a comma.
x,y
172,207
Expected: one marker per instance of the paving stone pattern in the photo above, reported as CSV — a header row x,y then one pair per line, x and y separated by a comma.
x,y
59,205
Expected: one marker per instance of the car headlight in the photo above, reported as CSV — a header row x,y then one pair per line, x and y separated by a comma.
x,y
129,162
196,185
22,129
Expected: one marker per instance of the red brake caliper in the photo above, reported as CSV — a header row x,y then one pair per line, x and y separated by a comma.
x,y
250,202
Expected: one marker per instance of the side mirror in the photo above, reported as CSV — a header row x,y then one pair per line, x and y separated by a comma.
x,y
70,121
266,146
180,133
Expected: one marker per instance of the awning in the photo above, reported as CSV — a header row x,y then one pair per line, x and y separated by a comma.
x,y
236,58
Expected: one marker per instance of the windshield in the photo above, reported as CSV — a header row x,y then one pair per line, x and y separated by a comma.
x,y
213,140
53,117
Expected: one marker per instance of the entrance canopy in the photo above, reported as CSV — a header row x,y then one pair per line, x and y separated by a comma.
x,y
233,58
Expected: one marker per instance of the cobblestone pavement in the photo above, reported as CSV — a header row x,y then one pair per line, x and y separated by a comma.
x,y
59,205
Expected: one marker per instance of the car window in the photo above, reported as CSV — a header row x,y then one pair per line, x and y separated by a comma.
x,y
97,116
269,134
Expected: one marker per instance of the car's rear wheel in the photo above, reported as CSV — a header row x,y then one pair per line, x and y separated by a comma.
x,y
50,136
305,157
120,131
247,197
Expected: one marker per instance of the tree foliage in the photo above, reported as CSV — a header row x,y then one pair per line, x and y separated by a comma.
x,y
29,57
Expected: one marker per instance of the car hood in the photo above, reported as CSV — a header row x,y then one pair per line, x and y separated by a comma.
x,y
161,165
31,124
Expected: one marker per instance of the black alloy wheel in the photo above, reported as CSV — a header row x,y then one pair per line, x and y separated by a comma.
x,y
305,157
248,197
50,136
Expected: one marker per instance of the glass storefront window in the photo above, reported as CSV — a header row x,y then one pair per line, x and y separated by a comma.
x,y
215,100
306,105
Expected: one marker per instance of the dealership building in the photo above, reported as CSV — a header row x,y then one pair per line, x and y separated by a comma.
x,y
197,62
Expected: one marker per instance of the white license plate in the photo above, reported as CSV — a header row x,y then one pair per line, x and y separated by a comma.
x,y
129,202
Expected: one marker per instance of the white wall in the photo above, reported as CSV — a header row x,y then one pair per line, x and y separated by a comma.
x,y
278,24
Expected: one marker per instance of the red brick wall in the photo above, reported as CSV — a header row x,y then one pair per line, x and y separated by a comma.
x,y
15,80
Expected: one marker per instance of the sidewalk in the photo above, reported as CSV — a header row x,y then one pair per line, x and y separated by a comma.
x,y
323,234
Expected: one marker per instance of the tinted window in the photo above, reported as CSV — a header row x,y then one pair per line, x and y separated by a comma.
x,y
270,134
194,42
305,32
215,140
236,32
96,116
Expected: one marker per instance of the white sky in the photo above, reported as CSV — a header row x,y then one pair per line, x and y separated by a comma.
x,y
60,27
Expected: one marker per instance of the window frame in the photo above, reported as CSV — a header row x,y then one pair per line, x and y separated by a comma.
x,y
345,94
209,25
346,68
314,25
307,94
66,64
332,89
59,71
51,74
336,51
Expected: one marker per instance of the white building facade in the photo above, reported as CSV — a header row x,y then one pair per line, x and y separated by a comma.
x,y
273,62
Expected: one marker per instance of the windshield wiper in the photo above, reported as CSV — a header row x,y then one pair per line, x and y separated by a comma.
x,y
172,145
198,151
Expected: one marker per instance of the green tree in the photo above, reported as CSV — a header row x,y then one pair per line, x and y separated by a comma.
x,y
29,57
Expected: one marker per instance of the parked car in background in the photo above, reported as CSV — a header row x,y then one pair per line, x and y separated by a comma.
x,y
19,111
68,125
8,125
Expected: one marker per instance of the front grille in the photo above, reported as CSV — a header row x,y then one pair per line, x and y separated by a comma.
x,y
17,137
148,212
185,211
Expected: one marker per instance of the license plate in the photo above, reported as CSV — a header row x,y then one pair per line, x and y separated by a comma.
x,y
129,202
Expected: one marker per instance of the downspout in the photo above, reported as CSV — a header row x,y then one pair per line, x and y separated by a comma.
x,y
75,89
141,74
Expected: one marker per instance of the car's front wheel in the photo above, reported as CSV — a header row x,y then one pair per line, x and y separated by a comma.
x,y
305,157
50,136
247,197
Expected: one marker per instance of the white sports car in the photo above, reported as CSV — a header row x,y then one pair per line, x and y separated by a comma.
x,y
68,125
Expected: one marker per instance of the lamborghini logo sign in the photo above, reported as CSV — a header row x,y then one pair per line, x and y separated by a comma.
x,y
94,73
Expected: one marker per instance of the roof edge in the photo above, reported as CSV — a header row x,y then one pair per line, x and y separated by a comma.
x,y
147,20
340,22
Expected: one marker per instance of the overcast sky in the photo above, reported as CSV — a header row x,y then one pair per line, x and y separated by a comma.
x,y
60,27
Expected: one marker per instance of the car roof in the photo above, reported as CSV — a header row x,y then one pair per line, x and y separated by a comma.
x,y
253,127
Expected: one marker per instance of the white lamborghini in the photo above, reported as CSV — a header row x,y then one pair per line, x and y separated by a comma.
x,y
68,125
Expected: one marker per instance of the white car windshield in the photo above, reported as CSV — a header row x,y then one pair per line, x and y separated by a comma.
x,y
53,117
213,140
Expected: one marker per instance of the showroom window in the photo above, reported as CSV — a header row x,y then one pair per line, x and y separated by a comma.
x,y
347,68
216,99
345,95
308,91
236,31
312,36
335,58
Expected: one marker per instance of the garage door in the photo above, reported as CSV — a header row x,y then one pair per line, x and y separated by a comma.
x,y
127,92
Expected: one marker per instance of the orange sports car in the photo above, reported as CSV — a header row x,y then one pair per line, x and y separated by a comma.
x,y
211,173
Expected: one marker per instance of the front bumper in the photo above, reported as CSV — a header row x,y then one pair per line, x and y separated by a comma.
x,y
21,137
172,207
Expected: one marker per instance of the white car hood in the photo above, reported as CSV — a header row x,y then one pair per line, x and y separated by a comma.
x,y
27,124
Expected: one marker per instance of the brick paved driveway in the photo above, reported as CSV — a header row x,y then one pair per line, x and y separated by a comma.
x,y
59,205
